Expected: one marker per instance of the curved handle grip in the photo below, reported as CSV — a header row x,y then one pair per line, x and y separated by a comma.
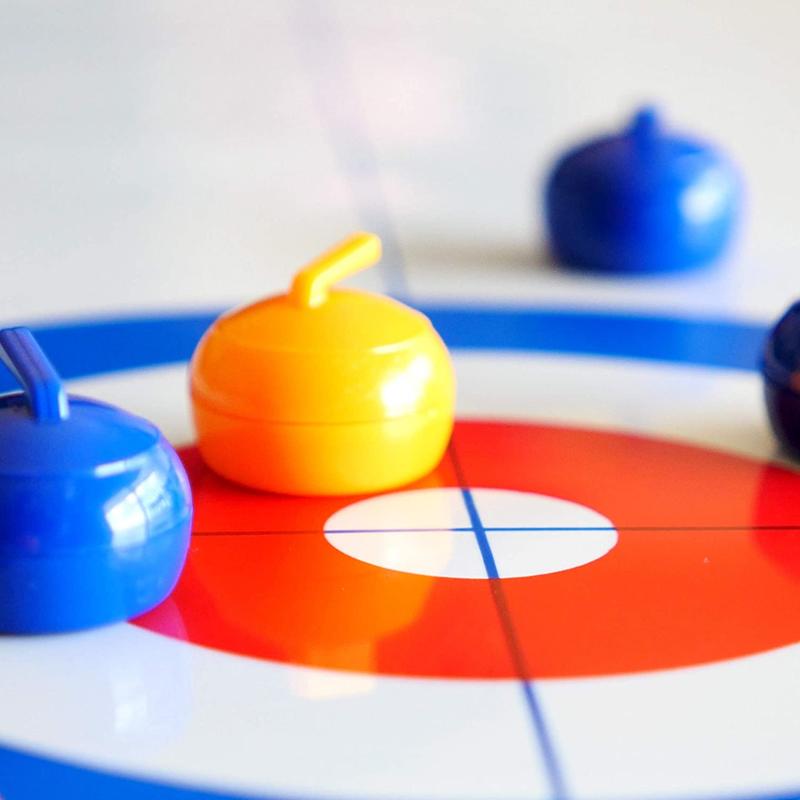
x,y
645,128
43,389
356,252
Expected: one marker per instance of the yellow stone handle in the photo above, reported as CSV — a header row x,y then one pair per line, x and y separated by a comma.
x,y
358,251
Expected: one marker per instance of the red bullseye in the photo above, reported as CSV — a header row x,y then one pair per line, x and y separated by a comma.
x,y
706,568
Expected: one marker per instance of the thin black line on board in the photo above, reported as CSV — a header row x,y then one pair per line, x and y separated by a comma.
x,y
532,529
342,115
654,528
547,751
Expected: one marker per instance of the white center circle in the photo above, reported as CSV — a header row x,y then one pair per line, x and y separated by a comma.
x,y
449,533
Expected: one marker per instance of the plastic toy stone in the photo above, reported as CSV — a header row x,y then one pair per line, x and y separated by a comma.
x,y
641,201
323,391
95,508
780,367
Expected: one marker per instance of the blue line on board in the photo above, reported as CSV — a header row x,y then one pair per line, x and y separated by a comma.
x,y
724,343
82,348
480,533
547,751
530,529
554,773
520,529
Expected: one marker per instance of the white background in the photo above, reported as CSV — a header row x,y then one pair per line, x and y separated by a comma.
x,y
176,154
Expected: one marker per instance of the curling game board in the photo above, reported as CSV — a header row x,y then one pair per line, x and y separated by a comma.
x,y
596,594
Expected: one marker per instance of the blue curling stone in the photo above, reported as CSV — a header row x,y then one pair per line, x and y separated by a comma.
x,y
641,201
780,367
95,507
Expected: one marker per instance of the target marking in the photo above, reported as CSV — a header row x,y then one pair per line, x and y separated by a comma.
x,y
706,553
435,540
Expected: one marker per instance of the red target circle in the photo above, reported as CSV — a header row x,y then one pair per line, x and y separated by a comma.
x,y
706,568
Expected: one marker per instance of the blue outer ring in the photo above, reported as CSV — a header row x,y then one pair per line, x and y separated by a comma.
x,y
80,349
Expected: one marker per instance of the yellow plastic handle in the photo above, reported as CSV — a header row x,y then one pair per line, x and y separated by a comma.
x,y
310,286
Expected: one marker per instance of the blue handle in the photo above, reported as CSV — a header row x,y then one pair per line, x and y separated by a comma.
x,y
43,388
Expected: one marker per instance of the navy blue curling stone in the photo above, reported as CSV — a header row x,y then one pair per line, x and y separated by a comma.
x,y
641,201
95,507
781,370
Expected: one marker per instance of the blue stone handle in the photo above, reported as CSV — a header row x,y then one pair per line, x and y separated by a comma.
x,y
30,366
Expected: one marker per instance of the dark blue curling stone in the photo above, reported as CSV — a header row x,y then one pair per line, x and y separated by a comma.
x,y
781,370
